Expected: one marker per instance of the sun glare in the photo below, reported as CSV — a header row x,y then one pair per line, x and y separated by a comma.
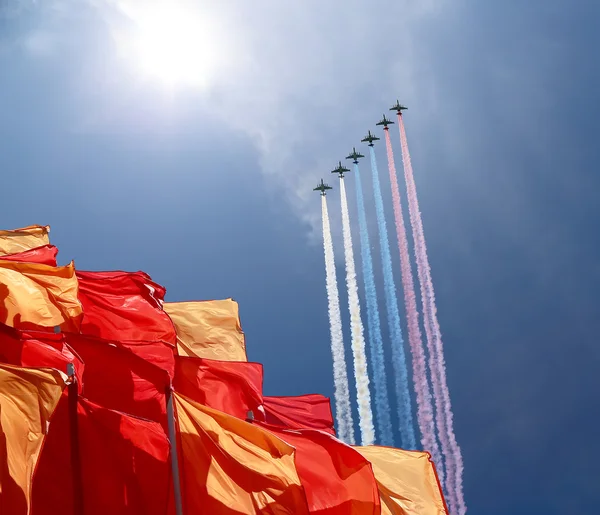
x,y
174,45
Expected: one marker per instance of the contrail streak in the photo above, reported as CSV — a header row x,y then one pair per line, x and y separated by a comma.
x,y
425,416
398,358
365,421
343,410
444,415
382,403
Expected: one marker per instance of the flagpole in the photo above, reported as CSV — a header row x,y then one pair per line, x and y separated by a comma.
x,y
174,457
73,395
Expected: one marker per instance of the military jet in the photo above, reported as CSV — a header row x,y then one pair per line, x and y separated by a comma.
x,y
370,138
398,107
385,122
340,170
354,155
322,187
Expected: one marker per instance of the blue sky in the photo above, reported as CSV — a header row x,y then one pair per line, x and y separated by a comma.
x,y
207,187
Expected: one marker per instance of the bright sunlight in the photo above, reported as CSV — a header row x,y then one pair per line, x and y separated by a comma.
x,y
173,45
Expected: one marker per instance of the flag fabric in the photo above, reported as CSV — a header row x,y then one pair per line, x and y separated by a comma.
x,y
232,467
123,306
208,329
35,296
161,354
45,255
18,240
118,379
125,468
28,397
407,481
234,387
337,479
38,349
312,411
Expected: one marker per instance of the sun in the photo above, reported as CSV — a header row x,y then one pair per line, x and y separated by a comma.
x,y
173,45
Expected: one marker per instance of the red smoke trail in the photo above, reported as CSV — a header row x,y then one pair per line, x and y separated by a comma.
x,y
444,418
423,394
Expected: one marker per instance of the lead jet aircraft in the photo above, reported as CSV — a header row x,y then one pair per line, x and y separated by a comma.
x,y
340,170
370,138
322,187
385,122
355,156
398,107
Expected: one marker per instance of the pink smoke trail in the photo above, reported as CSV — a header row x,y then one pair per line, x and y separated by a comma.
x,y
424,406
444,418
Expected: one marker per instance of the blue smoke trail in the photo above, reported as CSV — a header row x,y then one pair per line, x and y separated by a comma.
x,y
382,403
407,431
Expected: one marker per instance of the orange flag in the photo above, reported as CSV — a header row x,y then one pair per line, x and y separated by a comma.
x,y
18,240
208,329
28,398
407,481
33,296
230,466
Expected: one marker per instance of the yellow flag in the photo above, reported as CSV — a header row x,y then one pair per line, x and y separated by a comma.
x,y
208,329
230,466
19,240
406,480
28,398
34,295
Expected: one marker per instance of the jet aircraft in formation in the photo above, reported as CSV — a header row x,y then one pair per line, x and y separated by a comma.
x,y
322,187
370,138
341,170
354,155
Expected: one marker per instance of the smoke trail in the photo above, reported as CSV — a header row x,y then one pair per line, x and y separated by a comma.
x,y
340,376
365,421
450,448
382,402
398,358
424,407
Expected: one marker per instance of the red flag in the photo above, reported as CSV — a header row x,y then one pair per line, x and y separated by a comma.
x,y
38,349
234,387
117,378
160,354
124,464
45,255
124,306
337,479
312,411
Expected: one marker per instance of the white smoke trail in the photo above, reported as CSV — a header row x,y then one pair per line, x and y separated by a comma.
x,y
345,424
444,415
367,431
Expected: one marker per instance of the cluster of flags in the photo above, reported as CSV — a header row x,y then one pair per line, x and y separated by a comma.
x,y
114,401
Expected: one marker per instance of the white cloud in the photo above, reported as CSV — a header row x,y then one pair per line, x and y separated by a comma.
x,y
305,80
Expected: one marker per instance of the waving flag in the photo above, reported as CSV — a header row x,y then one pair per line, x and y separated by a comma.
x,y
337,479
38,349
118,379
123,306
18,240
124,465
230,466
34,296
45,255
234,387
407,482
208,329
312,411
28,397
